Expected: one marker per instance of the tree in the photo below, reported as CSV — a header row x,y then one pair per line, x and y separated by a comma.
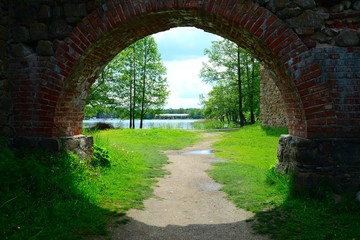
x,y
234,74
153,88
134,80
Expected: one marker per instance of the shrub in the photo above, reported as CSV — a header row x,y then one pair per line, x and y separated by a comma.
x,y
103,126
100,158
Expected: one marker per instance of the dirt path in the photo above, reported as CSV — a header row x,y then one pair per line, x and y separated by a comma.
x,y
187,204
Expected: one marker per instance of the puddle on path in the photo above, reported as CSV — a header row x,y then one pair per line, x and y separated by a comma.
x,y
216,160
210,186
199,152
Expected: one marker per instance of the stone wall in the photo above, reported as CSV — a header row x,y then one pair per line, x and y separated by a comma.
x,y
272,108
5,97
40,29
335,23
315,163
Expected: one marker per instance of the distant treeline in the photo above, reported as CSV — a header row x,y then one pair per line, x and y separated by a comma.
x,y
194,113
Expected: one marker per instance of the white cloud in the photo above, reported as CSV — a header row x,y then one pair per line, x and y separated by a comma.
x,y
184,83
183,43
182,50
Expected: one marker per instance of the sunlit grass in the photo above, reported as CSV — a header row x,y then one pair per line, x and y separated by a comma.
x,y
136,163
251,152
59,196
252,183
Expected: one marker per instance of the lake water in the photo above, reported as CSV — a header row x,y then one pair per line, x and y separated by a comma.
x,y
153,123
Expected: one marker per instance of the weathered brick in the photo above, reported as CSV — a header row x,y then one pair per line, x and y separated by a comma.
x,y
56,46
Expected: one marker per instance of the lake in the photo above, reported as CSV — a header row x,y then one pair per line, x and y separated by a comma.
x,y
148,123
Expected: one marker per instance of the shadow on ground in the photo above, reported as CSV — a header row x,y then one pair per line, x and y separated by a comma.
x,y
134,230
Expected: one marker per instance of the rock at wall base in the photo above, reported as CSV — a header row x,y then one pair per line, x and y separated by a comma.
x,y
321,164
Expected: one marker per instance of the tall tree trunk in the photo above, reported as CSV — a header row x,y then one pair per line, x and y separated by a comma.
x,y
134,96
143,85
252,114
133,89
241,114
131,98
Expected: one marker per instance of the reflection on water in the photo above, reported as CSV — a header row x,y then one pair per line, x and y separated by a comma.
x,y
199,152
153,123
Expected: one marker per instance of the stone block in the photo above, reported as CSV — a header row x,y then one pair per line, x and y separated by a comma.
x,y
3,49
57,11
59,29
38,31
333,164
321,37
276,5
45,48
75,10
21,34
337,8
356,6
289,12
24,13
3,33
44,12
21,50
305,31
81,145
347,38
306,4
307,19
347,4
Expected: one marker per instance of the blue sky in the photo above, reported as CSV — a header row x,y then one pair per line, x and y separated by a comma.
x,y
182,51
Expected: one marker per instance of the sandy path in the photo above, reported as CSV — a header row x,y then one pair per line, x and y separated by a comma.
x,y
187,204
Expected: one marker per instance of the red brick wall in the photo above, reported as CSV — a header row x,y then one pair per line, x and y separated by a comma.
x,y
57,51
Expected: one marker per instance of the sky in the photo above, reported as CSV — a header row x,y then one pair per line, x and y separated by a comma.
x,y
182,52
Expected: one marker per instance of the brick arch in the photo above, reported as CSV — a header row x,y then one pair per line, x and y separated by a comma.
x,y
117,24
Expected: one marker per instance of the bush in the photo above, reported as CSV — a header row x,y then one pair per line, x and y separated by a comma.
x,y
100,158
103,126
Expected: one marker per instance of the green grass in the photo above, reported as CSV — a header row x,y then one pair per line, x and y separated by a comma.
x,y
136,163
212,124
47,196
251,183
251,152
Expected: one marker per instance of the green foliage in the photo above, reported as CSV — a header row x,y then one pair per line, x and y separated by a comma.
x,y
194,113
251,182
235,77
131,85
100,157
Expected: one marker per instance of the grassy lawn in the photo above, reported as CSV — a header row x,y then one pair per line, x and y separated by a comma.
x,y
136,163
251,183
47,196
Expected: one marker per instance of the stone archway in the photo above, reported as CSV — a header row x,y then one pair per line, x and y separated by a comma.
x,y
319,84
253,27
